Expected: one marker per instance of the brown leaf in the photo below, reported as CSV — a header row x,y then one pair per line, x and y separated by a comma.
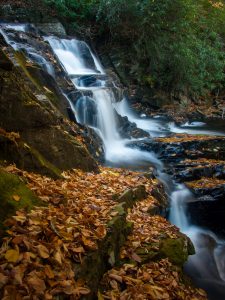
x,y
116,277
78,249
17,239
43,251
3,280
37,284
48,272
58,256
136,257
82,291
88,243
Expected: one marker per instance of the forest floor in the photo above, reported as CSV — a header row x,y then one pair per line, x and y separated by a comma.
x,y
46,249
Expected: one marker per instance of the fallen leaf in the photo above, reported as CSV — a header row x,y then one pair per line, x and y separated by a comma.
x,y
37,284
58,256
136,257
12,255
43,251
16,197
3,280
48,272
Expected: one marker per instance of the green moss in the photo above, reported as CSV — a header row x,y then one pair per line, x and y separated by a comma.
x,y
12,186
21,59
33,73
175,249
51,170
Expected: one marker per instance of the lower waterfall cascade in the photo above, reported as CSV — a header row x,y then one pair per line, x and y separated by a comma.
x,y
97,107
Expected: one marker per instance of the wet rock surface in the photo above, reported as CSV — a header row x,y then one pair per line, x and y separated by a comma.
x,y
127,129
27,108
202,170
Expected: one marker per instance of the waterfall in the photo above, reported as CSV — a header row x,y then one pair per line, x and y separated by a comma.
x,y
76,56
97,110
30,52
95,107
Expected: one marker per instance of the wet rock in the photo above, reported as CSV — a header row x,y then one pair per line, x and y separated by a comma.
x,y
94,144
159,193
96,263
39,123
127,129
190,173
55,28
208,213
173,149
216,192
177,250
130,196
24,156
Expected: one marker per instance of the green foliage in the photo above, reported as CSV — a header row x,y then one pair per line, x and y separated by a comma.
x,y
175,45
73,12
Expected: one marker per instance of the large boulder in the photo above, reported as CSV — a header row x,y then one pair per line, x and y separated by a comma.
x,y
30,111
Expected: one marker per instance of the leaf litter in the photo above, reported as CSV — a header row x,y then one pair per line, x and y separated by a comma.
x,y
37,257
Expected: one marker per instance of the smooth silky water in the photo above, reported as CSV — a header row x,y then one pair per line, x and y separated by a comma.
x,y
207,266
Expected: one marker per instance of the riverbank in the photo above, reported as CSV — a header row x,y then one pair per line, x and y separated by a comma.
x,y
91,223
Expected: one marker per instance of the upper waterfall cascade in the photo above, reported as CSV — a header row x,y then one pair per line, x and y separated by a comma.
x,y
96,107
82,66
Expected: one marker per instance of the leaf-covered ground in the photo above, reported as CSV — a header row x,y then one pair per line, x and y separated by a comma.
x,y
140,279
37,257
205,182
181,137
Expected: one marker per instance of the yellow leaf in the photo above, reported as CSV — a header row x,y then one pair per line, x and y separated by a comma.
x,y
100,297
21,219
12,255
16,197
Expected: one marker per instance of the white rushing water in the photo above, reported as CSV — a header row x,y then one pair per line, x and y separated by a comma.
x,y
96,109
207,266
159,128
30,52
152,126
76,56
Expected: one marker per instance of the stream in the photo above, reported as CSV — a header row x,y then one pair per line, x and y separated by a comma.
x,y
97,107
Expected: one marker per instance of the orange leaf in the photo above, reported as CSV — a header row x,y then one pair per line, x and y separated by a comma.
x,y
16,197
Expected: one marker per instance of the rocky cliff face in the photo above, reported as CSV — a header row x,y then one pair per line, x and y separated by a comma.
x,y
45,140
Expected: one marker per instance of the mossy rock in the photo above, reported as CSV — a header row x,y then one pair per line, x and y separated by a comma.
x,y
25,157
130,196
14,195
97,262
177,250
